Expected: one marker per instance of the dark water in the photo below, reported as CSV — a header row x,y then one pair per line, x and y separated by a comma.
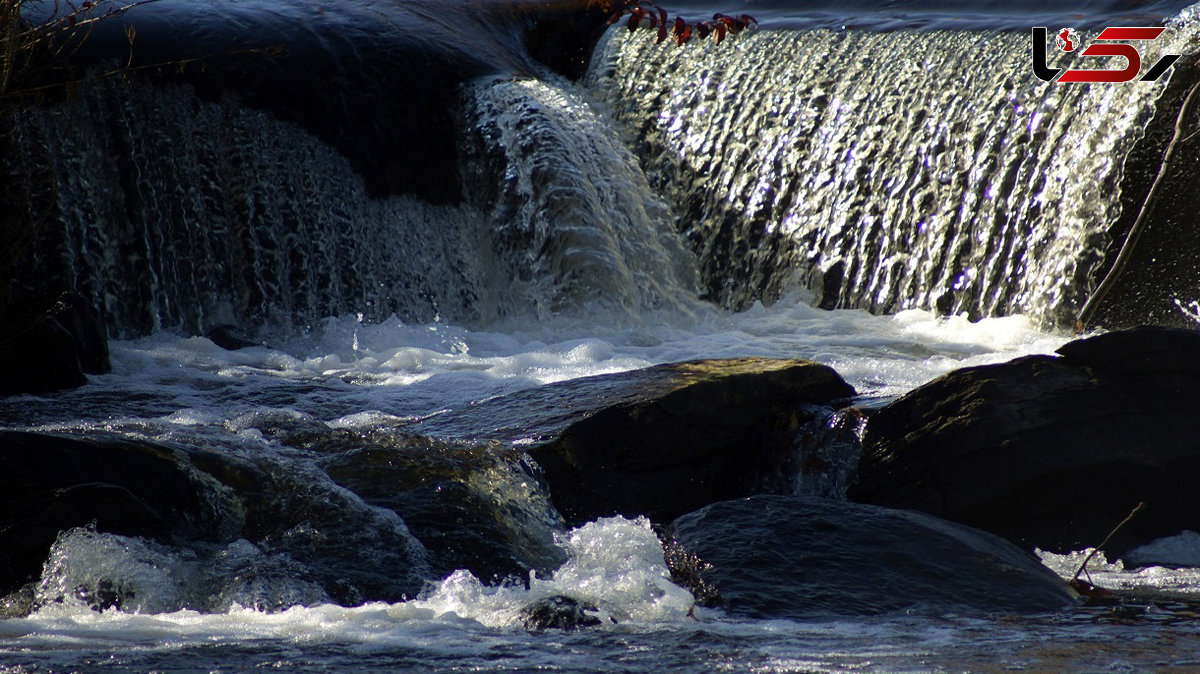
x,y
1096,641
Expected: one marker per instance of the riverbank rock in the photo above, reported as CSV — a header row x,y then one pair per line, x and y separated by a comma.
x,y
660,441
52,348
772,556
1051,451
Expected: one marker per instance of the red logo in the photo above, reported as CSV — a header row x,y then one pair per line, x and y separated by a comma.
x,y
1067,39
1110,42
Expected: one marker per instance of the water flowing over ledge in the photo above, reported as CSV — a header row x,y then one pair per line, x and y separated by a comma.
x,y
885,170
880,170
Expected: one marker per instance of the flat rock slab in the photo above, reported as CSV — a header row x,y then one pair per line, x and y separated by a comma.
x,y
663,440
543,413
1051,451
806,557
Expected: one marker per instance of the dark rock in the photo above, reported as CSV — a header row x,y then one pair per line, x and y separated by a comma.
x,y
1141,351
188,496
1179,551
563,37
558,613
325,535
378,83
50,483
50,349
230,337
1157,280
475,507
1051,451
804,557
668,439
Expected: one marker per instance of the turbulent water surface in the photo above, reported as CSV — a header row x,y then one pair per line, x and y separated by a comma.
x,y
349,375
752,198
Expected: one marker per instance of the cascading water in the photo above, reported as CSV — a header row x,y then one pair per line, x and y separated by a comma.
x,y
174,213
885,170
572,215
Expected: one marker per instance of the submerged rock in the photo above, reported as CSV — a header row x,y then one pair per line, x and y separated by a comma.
x,y
1051,452
559,613
52,348
662,440
19,603
1179,551
230,337
803,557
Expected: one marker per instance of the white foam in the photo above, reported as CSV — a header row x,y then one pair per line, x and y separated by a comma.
x,y
1114,575
1181,550
400,371
615,564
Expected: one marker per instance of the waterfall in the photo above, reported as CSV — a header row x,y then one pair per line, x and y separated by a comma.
x,y
175,213
882,170
573,215
885,170
172,212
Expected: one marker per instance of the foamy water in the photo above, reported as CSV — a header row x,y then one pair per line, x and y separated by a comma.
x,y
347,374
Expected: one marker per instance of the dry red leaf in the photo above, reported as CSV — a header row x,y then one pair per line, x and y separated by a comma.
x,y
682,31
650,14
734,26
635,18
1089,591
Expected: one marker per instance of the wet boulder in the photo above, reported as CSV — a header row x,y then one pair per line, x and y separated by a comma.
x,y
183,497
559,612
664,440
1051,451
701,432
480,507
704,431
50,483
230,337
51,348
772,556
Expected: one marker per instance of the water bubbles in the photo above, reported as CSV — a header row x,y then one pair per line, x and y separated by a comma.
x,y
1190,309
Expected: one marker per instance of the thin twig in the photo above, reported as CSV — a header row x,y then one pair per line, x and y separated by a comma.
x,y
1104,542
1135,232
